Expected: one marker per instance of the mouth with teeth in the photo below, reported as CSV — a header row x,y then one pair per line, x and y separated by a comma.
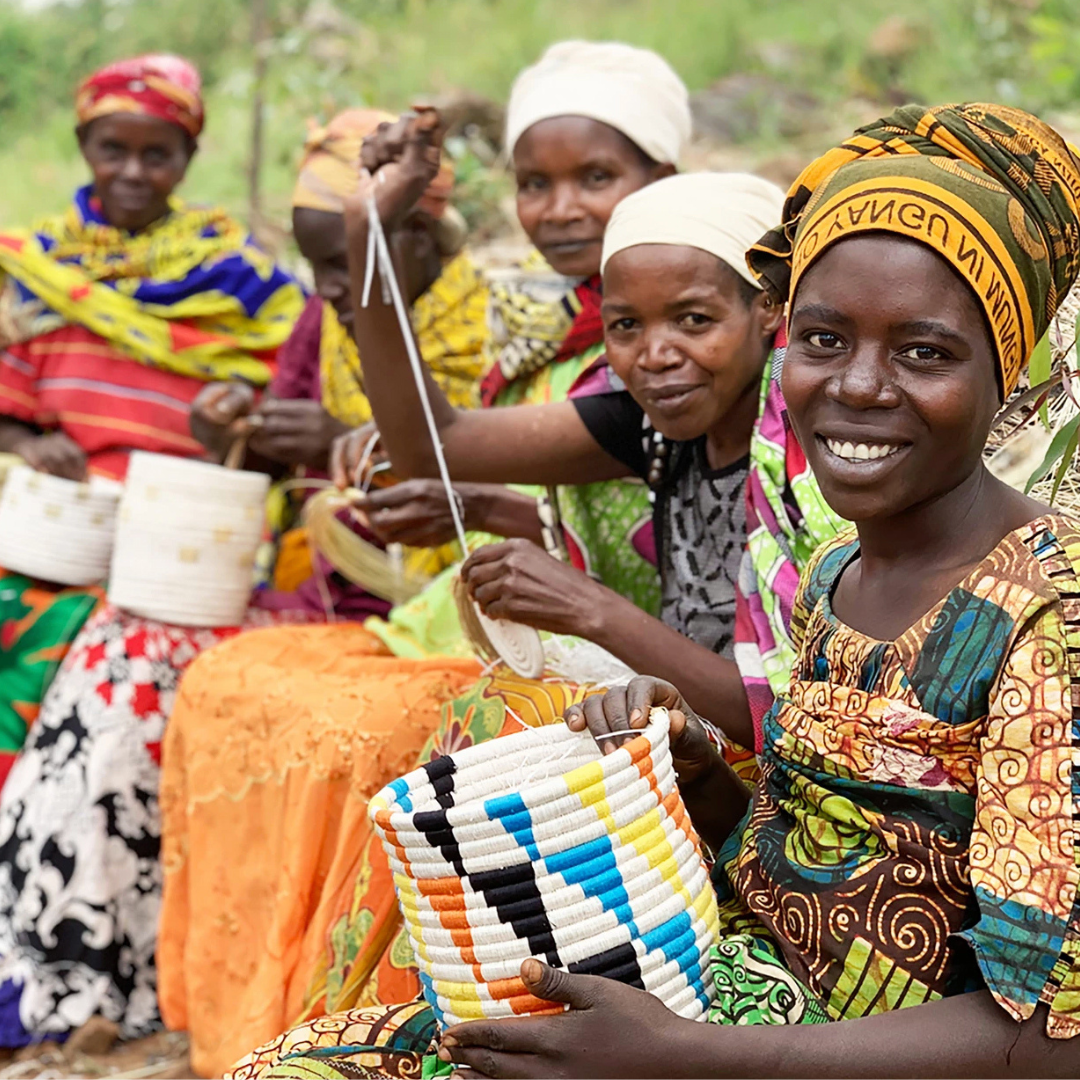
x,y
860,451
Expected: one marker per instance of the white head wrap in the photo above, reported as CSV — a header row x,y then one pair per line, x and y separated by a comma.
x,y
721,213
632,90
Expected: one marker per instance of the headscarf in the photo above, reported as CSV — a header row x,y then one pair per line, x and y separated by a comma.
x,y
721,213
166,87
632,90
991,189
329,171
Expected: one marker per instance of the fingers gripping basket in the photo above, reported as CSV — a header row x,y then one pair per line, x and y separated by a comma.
x,y
539,845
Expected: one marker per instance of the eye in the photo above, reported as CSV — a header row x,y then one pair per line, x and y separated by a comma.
x,y
532,184
694,320
925,354
595,178
155,157
622,326
824,339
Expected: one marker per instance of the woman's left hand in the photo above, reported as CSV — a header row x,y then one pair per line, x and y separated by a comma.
x,y
609,1030
295,431
518,581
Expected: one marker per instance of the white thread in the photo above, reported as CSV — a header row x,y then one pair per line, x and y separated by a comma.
x,y
377,244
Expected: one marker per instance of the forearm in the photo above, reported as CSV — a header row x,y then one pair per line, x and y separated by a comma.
x,y
388,377
964,1036
496,509
13,432
710,684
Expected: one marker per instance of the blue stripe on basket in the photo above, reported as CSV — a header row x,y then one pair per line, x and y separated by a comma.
x,y
512,813
432,997
400,788
598,876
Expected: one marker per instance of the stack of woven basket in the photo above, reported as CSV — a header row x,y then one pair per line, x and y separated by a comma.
x,y
539,845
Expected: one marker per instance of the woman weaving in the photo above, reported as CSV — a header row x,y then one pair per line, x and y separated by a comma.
x,y
907,861
690,362
113,316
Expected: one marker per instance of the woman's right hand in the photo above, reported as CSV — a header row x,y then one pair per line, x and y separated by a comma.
x,y
626,708
54,453
400,160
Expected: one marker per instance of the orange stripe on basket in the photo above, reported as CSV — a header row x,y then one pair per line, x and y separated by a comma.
x,y
529,1005
441,886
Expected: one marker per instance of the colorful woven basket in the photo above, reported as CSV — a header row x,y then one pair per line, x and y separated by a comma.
x,y
537,844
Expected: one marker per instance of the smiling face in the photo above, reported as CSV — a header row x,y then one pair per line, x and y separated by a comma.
x,y
687,335
890,376
571,173
137,161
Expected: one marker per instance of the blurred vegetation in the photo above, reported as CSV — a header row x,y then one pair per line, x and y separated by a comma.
x,y
324,56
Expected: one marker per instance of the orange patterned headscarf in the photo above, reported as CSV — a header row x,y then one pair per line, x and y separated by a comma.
x,y
166,87
329,170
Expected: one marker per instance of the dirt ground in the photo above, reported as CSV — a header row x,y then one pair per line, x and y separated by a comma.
x,y
94,1051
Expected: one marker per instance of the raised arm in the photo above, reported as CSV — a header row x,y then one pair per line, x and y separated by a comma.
x,y
545,444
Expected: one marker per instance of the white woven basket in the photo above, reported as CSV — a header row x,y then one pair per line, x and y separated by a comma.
x,y
55,529
186,541
537,844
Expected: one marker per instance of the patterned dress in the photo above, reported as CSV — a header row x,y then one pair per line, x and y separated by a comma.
x,y
912,835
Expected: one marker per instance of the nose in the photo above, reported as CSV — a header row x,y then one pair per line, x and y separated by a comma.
x,y
658,352
564,207
332,286
865,381
132,169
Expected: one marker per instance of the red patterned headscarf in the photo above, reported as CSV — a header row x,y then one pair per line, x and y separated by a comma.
x,y
166,87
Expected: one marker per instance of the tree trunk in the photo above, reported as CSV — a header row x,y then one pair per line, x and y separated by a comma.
x,y
258,48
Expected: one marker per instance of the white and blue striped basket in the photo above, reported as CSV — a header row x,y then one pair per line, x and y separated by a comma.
x,y
538,844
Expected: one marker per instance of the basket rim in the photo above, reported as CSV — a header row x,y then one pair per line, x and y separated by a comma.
x,y
624,758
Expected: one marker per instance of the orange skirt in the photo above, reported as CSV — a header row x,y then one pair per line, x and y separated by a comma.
x,y
277,741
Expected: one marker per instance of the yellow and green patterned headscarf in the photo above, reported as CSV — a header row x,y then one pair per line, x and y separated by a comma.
x,y
990,188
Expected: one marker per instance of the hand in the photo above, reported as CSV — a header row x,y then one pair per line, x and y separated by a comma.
x,y
626,708
519,581
414,512
220,404
54,453
347,455
400,160
295,432
609,1030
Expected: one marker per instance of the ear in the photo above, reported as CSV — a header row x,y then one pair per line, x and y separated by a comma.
x,y
661,172
770,314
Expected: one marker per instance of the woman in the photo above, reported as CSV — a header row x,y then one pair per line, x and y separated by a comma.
x,y
317,393
907,860
670,279
285,772
113,316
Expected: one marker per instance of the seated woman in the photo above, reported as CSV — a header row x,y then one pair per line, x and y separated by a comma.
x,y
79,820
281,765
113,316
907,860
317,392
670,255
